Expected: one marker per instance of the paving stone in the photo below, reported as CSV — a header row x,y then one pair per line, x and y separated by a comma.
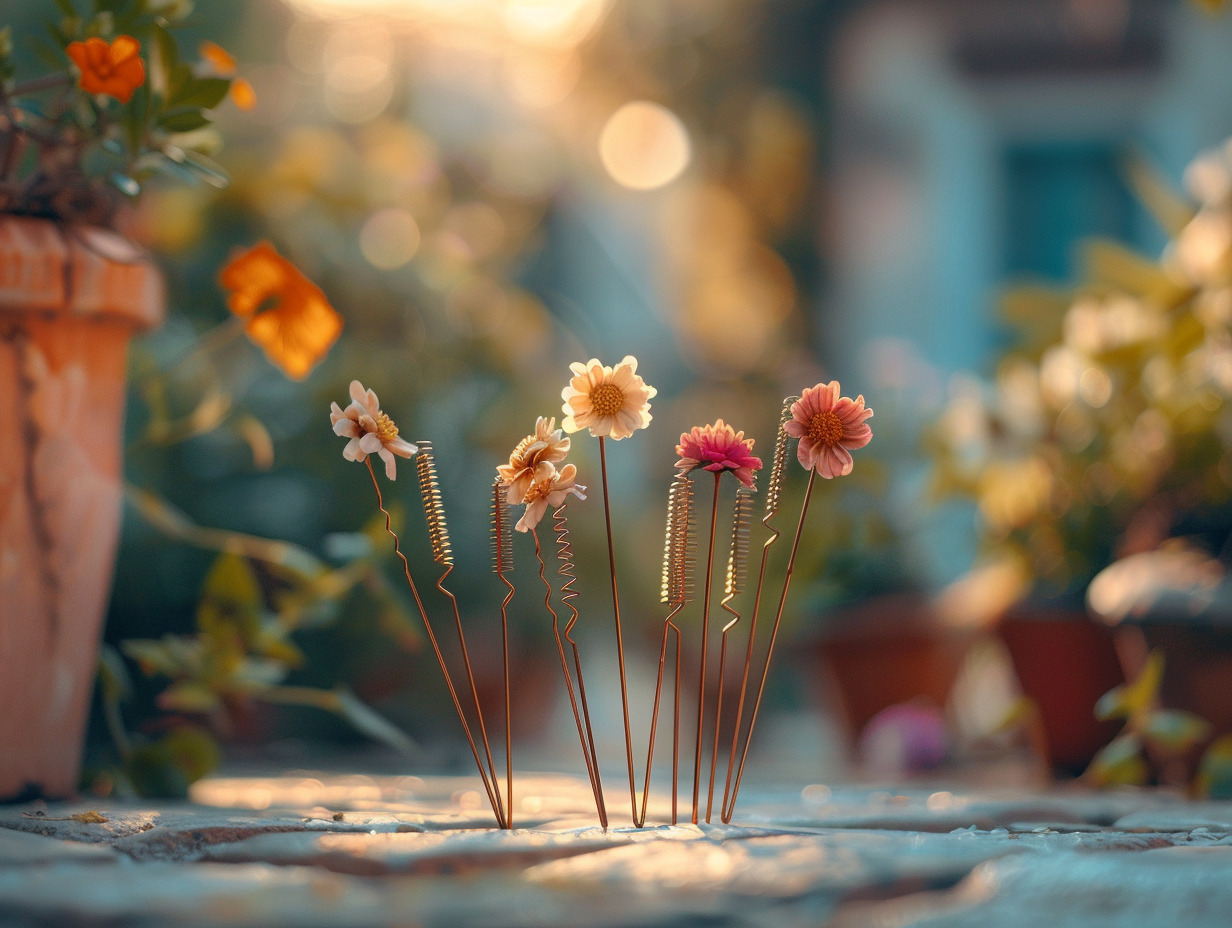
x,y
945,810
20,849
833,863
1213,816
439,852
56,821
307,851
1180,886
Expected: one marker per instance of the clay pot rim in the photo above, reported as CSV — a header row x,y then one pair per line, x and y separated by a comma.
x,y
83,253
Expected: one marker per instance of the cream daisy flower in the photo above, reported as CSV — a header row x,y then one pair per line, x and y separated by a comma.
x,y
370,431
613,402
546,444
549,487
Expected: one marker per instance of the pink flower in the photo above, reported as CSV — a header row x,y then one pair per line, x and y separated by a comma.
x,y
370,431
548,488
829,427
546,444
717,448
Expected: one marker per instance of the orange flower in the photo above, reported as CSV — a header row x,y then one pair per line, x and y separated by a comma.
x,y
297,325
115,68
222,63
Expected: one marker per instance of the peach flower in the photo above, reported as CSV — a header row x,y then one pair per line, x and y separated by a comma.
x,y
613,402
113,68
546,444
717,448
549,487
829,427
370,431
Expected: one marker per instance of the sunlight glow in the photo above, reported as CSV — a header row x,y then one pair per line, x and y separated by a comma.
x,y
644,146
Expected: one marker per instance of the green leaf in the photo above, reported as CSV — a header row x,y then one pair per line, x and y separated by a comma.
x,y
1173,730
167,767
113,676
1214,778
189,697
183,120
1167,207
231,599
164,59
153,773
1133,699
204,92
1119,763
375,726
66,7
156,657
193,750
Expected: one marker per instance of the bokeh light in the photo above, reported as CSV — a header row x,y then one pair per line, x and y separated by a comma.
x,y
389,239
644,146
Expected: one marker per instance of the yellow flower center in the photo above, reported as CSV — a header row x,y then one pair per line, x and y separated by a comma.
x,y
386,431
606,399
825,428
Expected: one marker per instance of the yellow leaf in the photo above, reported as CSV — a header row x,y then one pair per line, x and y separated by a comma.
x,y
230,599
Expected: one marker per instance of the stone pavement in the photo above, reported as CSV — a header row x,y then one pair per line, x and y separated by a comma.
x,y
339,851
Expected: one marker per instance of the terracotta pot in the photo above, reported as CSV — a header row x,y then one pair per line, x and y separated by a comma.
x,y
1064,662
69,302
890,650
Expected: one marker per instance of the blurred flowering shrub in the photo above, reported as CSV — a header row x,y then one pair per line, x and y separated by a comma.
x,y
1108,427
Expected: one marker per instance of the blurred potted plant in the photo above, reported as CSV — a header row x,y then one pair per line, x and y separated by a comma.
x,y
1106,430
880,640
115,107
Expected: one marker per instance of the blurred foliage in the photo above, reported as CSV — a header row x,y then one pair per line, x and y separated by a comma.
x,y
1156,744
1107,428
78,156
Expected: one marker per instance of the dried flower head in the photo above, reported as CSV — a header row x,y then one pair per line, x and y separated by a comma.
x,y
549,487
113,68
613,402
287,314
547,443
829,427
718,448
369,429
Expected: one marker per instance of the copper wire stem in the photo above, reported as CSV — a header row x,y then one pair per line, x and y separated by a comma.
x,y
668,626
504,607
774,633
725,810
718,709
587,751
493,797
567,595
505,816
620,640
701,684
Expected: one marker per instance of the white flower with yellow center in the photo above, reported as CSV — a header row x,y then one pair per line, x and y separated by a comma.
x,y
613,402
369,429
